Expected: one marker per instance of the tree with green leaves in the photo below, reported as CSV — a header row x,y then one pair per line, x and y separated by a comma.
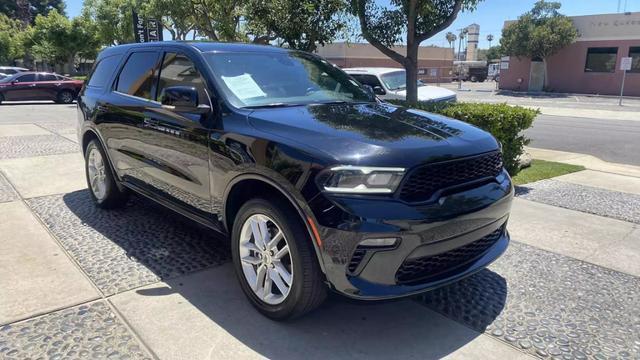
x,y
538,33
416,20
112,18
57,40
493,53
23,9
300,24
218,20
177,18
451,39
11,40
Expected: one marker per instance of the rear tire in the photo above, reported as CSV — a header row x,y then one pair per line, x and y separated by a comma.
x,y
303,280
65,97
100,179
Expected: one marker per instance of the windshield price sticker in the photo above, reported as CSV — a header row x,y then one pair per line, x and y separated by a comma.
x,y
243,86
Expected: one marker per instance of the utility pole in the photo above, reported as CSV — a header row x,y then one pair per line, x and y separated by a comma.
x,y
489,39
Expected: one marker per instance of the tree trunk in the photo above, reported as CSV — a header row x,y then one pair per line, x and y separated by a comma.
x,y
411,60
544,75
411,67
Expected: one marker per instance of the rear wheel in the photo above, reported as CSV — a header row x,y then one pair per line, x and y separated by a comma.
x,y
275,261
65,97
100,180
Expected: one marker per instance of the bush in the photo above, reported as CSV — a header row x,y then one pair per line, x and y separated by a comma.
x,y
504,122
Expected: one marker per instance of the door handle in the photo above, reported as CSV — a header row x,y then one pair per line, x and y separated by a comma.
x,y
32,85
150,122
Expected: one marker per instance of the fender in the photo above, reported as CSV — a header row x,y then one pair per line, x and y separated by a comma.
x,y
304,215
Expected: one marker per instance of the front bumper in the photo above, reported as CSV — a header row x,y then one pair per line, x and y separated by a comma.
x,y
423,231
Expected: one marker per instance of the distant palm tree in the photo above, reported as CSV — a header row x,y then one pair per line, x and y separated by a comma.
x,y
490,39
451,38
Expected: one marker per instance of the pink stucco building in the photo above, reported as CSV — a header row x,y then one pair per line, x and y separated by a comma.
x,y
590,65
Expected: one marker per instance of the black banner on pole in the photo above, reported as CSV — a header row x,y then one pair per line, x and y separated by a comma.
x,y
145,31
154,30
139,29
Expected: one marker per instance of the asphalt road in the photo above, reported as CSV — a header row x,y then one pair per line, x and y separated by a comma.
x,y
610,140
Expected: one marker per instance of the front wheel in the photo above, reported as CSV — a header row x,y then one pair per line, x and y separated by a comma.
x,y
275,261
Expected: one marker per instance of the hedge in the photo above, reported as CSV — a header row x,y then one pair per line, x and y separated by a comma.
x,y
503,121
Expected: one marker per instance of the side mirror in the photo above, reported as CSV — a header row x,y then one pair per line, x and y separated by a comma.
x,y
13,82
369,90
378,90
182,99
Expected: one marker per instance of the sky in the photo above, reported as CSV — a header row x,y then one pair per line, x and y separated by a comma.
x,y
490,15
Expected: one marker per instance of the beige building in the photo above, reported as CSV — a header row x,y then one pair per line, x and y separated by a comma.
x,y
434,63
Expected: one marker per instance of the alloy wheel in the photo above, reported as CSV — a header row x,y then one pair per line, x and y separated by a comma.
x,y
97,174
66,97
266,261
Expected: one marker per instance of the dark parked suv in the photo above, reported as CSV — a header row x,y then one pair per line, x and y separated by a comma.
x,y
319,185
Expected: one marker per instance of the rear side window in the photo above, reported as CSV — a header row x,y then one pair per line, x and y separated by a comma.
x,y
26,78
102,71
47,77
138,75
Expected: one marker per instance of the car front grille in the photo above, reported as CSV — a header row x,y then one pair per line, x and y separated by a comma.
x,y
426,180
420,269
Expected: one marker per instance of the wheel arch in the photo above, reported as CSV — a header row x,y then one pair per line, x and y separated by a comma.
x,y
91,134
247,186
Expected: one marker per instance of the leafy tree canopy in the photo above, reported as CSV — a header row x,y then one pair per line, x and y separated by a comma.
x,y
32,8
11,40
301,24
539,33
57,39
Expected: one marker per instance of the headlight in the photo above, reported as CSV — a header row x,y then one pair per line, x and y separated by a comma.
x,y
362,179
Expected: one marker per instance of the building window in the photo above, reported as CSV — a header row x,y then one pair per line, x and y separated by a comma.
x,y
634,54
601,59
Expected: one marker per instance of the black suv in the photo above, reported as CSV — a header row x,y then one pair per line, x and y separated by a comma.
x,y
318,184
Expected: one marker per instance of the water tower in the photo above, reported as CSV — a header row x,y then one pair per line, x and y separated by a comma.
x,y
472,42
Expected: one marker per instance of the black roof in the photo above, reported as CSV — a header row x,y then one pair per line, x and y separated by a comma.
x,y
202,46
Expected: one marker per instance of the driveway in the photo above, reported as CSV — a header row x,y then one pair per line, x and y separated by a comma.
x,y
140,282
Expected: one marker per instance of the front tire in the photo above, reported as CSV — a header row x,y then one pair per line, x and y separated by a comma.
x,y
100,179
65,97
275,261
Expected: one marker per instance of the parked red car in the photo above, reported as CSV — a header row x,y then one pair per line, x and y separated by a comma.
x,y
39,86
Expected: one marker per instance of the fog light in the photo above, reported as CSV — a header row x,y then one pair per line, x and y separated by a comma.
x,y
379,242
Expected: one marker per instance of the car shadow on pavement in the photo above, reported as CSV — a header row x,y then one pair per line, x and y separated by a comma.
x,y
202,302
340,328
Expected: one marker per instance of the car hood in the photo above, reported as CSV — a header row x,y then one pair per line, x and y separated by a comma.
x,y
430,93
373,134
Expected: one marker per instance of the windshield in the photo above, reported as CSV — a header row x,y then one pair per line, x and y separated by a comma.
x,y
397,80
283,79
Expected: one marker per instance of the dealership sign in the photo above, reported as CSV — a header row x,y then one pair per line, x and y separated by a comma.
x,y
146,30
